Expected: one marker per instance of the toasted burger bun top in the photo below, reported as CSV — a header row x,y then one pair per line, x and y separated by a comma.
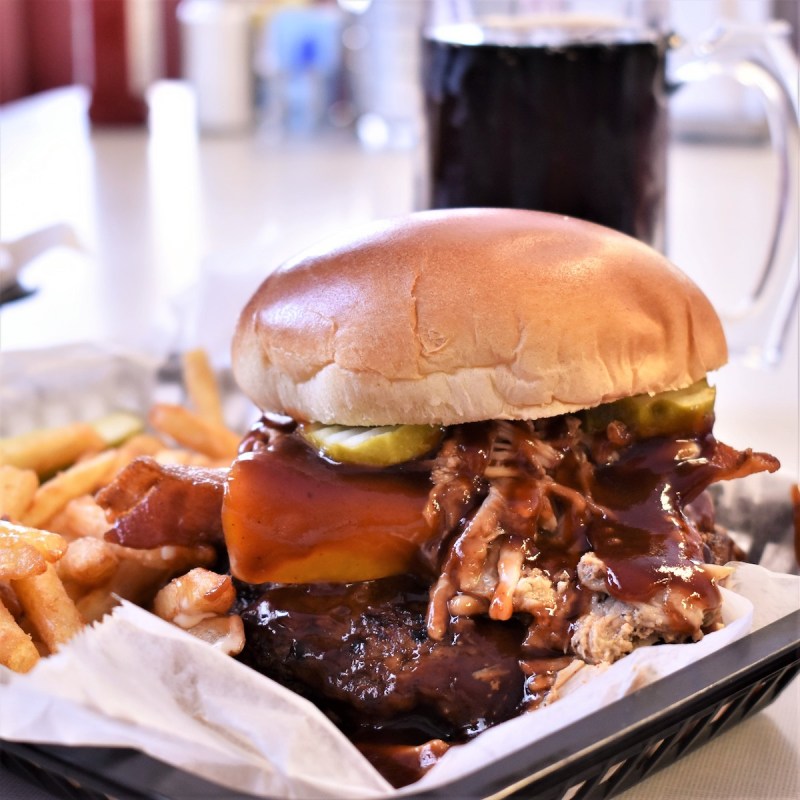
x,y
454,316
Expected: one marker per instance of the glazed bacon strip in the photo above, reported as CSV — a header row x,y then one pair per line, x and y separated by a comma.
x,y
152,504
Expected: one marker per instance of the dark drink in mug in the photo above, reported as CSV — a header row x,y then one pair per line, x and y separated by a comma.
x,y
573,127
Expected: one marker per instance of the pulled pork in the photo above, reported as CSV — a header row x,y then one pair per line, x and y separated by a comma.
x,y
601,541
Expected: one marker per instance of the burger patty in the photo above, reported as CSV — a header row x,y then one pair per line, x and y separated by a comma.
x,y
361,653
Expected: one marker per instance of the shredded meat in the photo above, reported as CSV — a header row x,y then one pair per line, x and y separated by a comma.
x,y
612,628
546,497
151,504
457,473
534,592
592,572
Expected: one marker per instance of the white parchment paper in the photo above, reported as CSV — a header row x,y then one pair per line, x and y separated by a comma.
x,y
139,682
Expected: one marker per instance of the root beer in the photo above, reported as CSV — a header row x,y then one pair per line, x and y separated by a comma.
x,y
575,127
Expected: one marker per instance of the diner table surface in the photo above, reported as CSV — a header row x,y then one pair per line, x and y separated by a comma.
x,y
176,229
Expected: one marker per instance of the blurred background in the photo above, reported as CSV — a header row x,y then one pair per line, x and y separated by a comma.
x,y
159,157
299,64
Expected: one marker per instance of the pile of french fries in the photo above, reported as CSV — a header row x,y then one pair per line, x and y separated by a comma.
x,y
57,573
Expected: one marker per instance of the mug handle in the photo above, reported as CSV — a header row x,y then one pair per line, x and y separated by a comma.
x,y
760,56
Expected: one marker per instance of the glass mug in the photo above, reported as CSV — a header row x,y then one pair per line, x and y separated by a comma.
x,y
562,106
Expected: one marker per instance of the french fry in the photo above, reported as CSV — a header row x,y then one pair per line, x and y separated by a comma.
x,y
51,611
144,444
223,633
17,488
193,431
195,596
50,545
186,458
54,581
81,478
95,604
25,552
17,650
132,581
81,516
9,599
170,558
89,562
20,561
202,387
50,449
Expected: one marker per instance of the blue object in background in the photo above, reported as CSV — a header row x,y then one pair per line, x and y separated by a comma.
x,y
299,58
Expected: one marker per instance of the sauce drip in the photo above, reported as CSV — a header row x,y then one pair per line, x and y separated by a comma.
x,y
646,541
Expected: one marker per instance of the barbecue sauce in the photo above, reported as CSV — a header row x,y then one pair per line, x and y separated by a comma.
x,y
644,538
292,517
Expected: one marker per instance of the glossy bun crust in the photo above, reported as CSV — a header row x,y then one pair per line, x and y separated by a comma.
x,y
455,316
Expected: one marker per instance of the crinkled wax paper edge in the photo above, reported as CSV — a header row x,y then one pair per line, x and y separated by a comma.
x,y
135,680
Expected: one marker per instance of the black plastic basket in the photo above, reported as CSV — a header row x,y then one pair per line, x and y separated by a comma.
x,y
597,757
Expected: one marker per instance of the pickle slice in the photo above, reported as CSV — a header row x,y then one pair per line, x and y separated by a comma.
x,y
380,446
118,426
682,411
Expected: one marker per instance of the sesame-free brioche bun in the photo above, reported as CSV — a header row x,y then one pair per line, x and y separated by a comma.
x,y
456,316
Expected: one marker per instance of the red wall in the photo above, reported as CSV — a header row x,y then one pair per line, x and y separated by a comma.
x,y
15,77
36,45
50,30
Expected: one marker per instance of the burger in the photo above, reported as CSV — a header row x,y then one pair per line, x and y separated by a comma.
x,y
486,441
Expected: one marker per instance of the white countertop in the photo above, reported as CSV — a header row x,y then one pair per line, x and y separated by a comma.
x,y
179,230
